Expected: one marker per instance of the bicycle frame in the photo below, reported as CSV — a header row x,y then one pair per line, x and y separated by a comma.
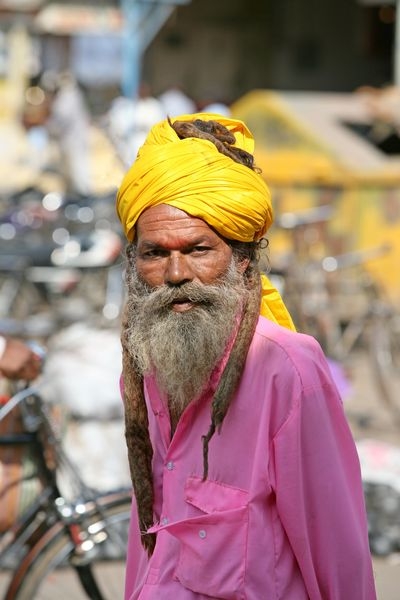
x,y
50,513
84,549
30,521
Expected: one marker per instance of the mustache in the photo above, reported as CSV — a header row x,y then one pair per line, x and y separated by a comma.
x,y
162,297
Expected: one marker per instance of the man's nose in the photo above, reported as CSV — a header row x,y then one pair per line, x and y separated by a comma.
x,y
178,270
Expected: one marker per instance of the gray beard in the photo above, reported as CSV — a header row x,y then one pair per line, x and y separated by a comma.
x,y
182,349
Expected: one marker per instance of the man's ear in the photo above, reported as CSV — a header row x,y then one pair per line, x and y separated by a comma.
x,y
243,263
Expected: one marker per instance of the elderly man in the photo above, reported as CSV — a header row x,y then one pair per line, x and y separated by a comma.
x,y
245,473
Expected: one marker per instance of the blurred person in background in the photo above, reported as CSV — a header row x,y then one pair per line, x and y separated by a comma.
x,y
217,108
18,360
176,102
130,119
68,125
34,116
246,477
212,102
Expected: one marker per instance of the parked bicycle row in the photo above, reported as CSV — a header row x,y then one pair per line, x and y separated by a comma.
x,y
61,259
54,513
335,298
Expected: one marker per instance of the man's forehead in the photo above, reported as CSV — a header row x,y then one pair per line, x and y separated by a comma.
x,y
169,218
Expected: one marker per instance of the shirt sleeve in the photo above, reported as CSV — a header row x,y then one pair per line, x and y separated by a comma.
x,y
319,492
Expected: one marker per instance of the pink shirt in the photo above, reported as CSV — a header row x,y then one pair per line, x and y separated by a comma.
x,y
282,514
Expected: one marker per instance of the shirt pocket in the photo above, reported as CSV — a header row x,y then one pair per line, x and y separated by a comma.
x,y
213,545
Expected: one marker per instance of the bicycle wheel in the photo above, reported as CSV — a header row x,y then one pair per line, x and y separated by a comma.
x,y
54,565
385,350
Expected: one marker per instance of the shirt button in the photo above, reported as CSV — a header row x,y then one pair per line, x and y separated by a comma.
x,y
164,521
202,534
170,466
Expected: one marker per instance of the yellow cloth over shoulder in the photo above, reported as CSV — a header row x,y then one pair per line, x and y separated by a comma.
x,y
192,175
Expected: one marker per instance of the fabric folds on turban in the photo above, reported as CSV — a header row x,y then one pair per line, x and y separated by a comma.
x,y
192,175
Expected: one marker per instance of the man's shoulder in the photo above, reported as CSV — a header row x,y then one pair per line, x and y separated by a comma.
x,y
288,355
272,330
291,343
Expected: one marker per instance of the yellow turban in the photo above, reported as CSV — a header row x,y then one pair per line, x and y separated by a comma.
x,y
192,175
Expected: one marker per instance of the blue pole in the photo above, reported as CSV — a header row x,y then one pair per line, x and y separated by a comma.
x,y
142,20
397,46
131,48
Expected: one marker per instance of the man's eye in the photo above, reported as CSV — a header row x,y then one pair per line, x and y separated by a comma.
x,y
156,253
200,249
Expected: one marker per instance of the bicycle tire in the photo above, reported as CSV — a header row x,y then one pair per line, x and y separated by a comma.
x,y
51,564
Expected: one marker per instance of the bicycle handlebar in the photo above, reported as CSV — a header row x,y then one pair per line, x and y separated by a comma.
x,y
354,258
16,399
29,390
292,220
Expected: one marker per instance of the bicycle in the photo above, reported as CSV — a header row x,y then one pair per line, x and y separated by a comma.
x,y
68,527
336,300
373,327
61,259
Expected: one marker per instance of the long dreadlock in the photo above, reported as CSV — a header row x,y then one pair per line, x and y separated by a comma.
x,y
140,451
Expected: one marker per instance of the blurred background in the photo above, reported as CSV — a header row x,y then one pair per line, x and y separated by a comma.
x,y
318,83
